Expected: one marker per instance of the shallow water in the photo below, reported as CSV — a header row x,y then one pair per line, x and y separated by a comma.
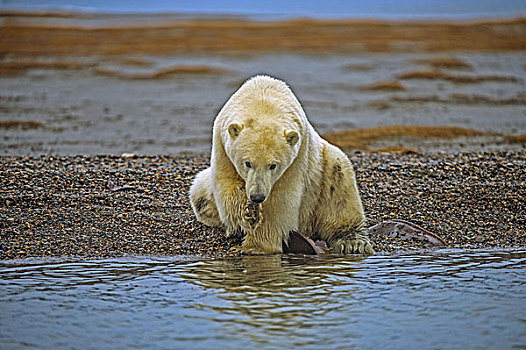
x,y
447,299
289,8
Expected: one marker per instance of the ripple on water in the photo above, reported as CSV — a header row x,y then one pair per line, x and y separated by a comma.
x,y
449,299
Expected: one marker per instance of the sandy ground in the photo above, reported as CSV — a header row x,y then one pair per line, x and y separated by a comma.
x,y
77,96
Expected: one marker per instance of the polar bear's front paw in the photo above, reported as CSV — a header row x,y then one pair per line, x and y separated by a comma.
x,y
252,214
348,245
252,251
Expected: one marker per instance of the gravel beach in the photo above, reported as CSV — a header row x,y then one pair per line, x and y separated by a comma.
x,y
109,206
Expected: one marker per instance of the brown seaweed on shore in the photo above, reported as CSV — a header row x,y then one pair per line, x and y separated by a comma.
x,y
162,72
444,63
385,86
379,104
453,99
454,78
134,61
217,35
363,138
515,138
394,150
13,68
459,98
358,67
21,124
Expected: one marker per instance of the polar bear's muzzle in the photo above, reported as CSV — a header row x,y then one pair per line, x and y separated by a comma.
x,y
258,186
257,198
256,194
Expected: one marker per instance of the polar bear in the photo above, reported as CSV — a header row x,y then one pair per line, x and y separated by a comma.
x,y
271,173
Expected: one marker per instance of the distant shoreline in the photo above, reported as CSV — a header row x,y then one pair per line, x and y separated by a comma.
x,y
285,9
30,34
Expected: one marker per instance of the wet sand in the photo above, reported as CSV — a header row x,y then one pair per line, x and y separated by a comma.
x,y
168,107
446,99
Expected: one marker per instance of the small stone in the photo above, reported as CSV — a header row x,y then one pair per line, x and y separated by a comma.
x,y
129,155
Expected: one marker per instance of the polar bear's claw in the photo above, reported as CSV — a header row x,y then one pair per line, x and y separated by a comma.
x,y
357,245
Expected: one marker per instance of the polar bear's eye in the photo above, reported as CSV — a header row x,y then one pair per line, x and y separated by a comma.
x,y
248,164
272,166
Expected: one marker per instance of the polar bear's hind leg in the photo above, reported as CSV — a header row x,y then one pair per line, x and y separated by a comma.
x,y
202,199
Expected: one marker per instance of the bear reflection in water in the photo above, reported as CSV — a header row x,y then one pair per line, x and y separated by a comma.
x,y
271,173
283,296
305,281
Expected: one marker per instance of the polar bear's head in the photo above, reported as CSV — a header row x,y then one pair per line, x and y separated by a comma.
x,y
261,151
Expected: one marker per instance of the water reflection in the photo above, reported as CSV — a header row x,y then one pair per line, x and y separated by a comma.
x,y
449,299
292,296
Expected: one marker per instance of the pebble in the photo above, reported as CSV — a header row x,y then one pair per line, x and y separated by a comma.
x,y
63,206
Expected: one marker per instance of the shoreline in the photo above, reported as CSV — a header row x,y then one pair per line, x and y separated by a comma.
x,y
112,206
27,34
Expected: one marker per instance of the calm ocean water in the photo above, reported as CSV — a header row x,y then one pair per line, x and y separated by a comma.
x,y
451,299
292,8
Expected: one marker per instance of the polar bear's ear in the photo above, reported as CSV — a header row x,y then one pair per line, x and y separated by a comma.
x,y
234,129
292,137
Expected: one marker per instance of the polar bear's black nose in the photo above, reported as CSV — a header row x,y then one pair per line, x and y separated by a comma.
x,y
257,198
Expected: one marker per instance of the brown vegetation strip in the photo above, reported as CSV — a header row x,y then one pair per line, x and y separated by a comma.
x,y
362,138
9,68
454,78
134,61
385,86
395,150
21,124
191,36
160,73
515,138
445,62
358,67
468,99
